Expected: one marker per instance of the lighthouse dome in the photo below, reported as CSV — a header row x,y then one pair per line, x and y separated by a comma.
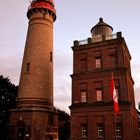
x,y
101,28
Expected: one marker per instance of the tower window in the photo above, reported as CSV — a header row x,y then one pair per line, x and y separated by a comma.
x,y
83,64
27,67
118,129
98,62
113,60
84,130
51,57
117,91
83,96
99,95
100,128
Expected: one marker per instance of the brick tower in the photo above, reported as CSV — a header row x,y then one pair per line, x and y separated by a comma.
x,y
92,115
35,117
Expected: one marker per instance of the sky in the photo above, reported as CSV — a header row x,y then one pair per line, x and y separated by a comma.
x,y
75,18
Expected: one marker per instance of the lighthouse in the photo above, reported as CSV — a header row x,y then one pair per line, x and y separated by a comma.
x,y
34,117
92,110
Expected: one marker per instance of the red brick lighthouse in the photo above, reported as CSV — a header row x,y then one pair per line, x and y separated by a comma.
x,y
92,115
35,117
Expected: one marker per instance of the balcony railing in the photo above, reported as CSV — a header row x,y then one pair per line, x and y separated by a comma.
x,y
98,38
82,42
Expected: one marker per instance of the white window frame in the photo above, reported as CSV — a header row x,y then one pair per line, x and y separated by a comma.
x,y
84,130
117,91
100,130
83,96
98,63
99,95
113,60
118,130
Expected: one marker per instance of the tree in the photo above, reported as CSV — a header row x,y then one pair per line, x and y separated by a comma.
x,y
62,115
64,125
8,94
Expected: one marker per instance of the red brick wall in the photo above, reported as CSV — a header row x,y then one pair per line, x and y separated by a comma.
x,y
89,78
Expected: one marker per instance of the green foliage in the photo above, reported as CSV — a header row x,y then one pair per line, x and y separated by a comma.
x,y
64,125
62,115
8,93
139,106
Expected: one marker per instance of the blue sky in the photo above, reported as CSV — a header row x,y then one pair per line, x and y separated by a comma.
x,y
75,18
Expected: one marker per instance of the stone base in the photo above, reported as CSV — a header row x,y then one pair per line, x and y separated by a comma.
x,y
33,124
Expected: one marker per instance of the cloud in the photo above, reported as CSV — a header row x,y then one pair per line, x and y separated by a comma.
x,y
136,77
135,74
63,60
63,69
62,96
137,95
62,81
10,67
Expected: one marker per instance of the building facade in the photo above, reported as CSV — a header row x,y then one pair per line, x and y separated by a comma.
x,y
35,117
92,115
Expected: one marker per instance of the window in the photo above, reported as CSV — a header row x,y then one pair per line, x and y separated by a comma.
x,y
83,64
27,67
51,57
118,130
100,130
84,130
21,128
98,62
99,95
83,96
117,91
113,60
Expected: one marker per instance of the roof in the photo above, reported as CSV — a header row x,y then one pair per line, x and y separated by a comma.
x,y
101,23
